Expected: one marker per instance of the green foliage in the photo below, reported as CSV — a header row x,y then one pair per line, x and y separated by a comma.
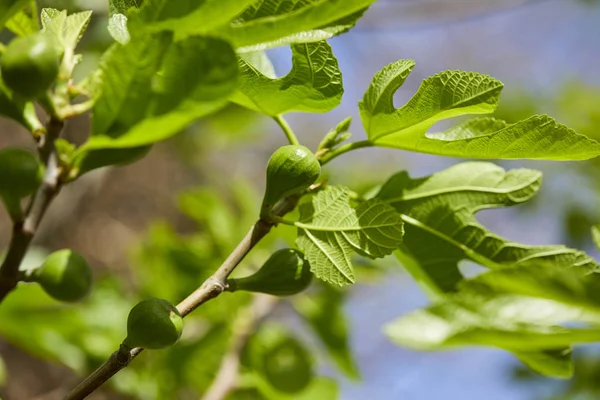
x,y
66,29
272,23
330,230
172,64
455,93
25,22
9,8
190,18
438,212
313,85
445,95
130,112
521,309
324,314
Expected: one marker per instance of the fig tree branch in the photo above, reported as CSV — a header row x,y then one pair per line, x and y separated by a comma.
x,y
24,230
211,288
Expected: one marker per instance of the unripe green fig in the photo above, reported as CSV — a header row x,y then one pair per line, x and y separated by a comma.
x,y
285,273
287,366
153,324
65,275
30,64
291,169
20,176
18,110
280,358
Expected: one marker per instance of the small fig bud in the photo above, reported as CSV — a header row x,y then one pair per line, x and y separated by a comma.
x,y
285,273
153,324
30,64
65,275
291,169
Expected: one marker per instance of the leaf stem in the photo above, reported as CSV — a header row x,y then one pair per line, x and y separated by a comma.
x,y
280,220
211,288
326,157
24,230
287,129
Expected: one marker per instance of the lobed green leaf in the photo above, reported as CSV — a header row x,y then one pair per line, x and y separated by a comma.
x,y
189,17
329,231
454,93
67,29
151,88
525,309
25,22
526,326
438,213
313,85
123,6
272,23
444,95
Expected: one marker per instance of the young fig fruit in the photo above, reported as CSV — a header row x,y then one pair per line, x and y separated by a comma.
x,y
153,324
20,172
285,273
280,358
18,110
291,169
20,176
30,64
65,275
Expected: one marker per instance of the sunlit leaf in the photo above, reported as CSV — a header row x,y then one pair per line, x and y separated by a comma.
x,y
438,213
454,93
151,88
9,8
444,95
272,23
68,29
330,230
313,85
25,22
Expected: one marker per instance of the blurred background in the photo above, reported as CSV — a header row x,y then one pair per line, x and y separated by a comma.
x,y
185,205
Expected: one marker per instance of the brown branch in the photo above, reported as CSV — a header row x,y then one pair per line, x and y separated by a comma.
x,y
226,379
24,231
211,288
